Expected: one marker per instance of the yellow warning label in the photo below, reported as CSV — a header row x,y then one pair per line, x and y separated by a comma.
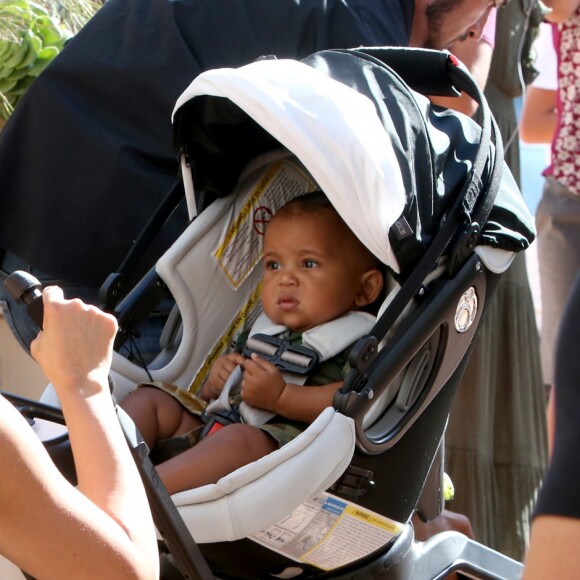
x,y
373,519
248,313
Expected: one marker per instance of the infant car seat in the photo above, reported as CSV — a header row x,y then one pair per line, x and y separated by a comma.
x,y
426,190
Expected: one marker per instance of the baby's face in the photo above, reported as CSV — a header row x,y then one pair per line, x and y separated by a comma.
x,y
311,273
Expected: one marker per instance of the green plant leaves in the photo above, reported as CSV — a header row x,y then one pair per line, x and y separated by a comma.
x,y
31,36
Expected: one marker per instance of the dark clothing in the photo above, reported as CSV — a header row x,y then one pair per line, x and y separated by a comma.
x,y
560,492
88,155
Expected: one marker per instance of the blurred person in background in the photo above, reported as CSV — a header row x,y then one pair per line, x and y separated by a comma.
x,y
496,449
552,114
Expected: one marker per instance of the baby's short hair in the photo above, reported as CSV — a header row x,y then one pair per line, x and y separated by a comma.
x,y
317,202
307,203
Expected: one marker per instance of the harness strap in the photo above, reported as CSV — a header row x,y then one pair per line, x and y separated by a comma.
x,y
330,338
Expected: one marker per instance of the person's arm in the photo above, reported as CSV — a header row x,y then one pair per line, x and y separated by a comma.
x,y
539,117
561,10
553,549
103,528
555,527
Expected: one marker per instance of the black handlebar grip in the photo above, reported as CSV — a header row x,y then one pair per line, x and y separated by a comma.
x,y
26,290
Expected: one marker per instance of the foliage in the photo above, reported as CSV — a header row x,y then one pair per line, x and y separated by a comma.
x,y
31,35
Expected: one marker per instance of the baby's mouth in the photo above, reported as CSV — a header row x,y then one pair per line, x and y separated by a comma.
x,y
287,302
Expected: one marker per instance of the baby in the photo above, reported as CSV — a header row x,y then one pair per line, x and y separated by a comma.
x,y
315,271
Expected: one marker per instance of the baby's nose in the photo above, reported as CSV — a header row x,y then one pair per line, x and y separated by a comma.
x,y
288,277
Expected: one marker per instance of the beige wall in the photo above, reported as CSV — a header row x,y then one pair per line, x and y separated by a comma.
x,y
19,373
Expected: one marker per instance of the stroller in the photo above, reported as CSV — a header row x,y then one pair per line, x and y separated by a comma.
x,y
425,189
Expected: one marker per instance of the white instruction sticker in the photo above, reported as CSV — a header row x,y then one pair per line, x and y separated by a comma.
x,y
328,532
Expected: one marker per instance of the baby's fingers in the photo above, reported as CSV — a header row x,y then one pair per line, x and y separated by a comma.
x,y
235,358
257,362
259,369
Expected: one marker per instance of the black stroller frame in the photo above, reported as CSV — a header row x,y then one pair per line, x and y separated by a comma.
x,y
431,337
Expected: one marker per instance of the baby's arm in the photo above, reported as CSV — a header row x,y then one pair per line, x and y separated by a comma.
x,y
219,374
264,387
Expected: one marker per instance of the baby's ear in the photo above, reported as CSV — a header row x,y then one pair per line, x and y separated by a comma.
x,y
371,284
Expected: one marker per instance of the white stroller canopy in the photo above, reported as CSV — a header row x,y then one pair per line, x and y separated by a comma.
x,y
334,130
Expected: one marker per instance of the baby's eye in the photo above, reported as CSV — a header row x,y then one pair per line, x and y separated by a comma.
x,y
272,265
310,263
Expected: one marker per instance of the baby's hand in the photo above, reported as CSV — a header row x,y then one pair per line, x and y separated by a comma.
x,y
262,385
219,374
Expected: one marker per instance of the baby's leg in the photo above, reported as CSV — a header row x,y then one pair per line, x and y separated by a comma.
x,y
214,456
158,415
